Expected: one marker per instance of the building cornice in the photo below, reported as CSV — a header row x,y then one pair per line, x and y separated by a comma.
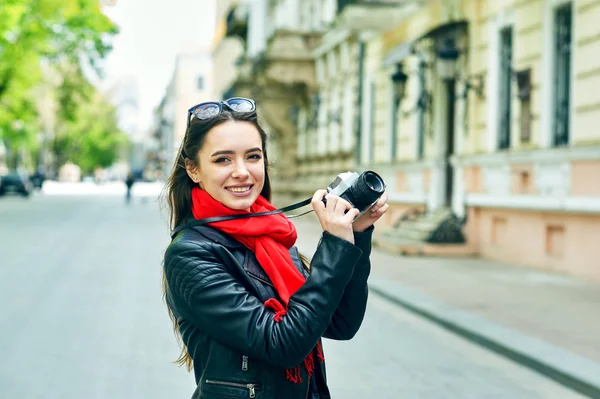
x,y
544,155
330,40
570,204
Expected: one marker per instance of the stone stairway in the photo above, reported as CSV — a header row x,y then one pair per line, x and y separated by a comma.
x,y
434,233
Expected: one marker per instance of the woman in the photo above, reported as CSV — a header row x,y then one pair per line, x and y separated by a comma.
x,y
250,316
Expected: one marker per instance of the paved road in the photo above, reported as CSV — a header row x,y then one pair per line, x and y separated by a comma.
x,y
82,317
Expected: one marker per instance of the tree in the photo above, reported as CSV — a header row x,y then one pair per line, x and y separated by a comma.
x,y
86,130
36,31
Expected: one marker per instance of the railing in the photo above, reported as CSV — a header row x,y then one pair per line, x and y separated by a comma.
x,y
236,22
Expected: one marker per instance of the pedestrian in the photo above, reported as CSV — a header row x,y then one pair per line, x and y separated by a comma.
x,y
249,309
129,183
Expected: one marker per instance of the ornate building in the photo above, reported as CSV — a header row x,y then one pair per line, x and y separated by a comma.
x,y
478,114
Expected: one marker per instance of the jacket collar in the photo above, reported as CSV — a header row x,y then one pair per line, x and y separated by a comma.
x,y
226,240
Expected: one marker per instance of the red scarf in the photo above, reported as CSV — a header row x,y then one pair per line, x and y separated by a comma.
x,y
269,238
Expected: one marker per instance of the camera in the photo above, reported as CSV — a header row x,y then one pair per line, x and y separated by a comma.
x,y
362,191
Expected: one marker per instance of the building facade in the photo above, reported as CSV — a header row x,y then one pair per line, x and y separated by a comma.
x,y
480,115
507,140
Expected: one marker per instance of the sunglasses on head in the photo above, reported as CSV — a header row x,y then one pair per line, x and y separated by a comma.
x,y
209,109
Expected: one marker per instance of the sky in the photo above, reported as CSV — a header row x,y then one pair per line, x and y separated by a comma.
x,y
144,52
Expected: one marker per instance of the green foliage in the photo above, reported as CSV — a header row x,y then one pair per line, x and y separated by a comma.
x,y
34,33
87,133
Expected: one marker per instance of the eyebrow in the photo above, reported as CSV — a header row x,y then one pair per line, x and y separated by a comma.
x,y
229,152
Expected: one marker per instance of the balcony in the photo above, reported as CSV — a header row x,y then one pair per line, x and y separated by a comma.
x,y
237,21
287,65
375,15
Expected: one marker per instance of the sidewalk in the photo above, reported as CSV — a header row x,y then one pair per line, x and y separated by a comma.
x,y
546,321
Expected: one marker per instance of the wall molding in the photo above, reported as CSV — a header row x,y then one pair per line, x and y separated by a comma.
x,y
546,155
536,203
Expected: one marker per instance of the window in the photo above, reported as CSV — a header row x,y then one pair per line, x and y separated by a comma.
x,y
562,74
334,121
504,122
200,82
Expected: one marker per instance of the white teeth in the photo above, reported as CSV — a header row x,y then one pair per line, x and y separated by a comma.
x,y
239,189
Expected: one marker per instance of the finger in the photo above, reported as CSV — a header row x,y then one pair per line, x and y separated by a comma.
x,y
352,214
383,199
380,202
380,211
332,201
342,206
317,200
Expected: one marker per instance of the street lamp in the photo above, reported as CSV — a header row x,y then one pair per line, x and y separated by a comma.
x,y
399,79
447,60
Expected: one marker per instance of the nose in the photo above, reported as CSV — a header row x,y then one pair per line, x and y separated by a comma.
x,y
240,170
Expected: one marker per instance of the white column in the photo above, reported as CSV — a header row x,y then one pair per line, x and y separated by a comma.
x,y
322,123
257,27
293,14
440,140
366,121
334,127
393,119
348,118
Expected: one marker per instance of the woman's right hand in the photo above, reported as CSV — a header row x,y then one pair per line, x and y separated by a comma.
x,y
333,216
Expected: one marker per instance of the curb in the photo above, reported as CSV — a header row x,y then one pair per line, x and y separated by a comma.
x,y
568,369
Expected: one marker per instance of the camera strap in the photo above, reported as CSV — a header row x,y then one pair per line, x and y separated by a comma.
x,y
196,223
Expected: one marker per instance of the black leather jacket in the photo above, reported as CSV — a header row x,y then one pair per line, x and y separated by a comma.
x,y
216,290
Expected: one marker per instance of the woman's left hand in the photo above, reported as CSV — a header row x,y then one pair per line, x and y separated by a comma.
x,y
372,215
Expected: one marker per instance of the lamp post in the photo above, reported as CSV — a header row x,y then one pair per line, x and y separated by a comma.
x,y
399,79
447,60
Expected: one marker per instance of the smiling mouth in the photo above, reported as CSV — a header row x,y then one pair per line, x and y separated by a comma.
x,y
239,189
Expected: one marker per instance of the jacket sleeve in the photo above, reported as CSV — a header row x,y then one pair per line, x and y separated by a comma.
x,y
222,307
349,315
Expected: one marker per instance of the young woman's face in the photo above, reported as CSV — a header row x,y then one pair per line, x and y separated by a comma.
x,y
231,164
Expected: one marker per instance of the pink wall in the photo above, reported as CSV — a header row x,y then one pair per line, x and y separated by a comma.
x,y
585,178
565,243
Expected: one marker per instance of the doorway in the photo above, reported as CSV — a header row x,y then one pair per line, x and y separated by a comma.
x,y
449,150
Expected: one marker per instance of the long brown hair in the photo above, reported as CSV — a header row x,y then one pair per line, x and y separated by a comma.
x,y
178,188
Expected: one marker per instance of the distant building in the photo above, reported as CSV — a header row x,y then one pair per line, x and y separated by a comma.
x,y
190,84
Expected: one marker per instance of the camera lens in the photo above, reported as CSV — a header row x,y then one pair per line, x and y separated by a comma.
x,y
374,182
366,190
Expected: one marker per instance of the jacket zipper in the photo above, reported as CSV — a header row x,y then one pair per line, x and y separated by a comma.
x,y
244,363
250,387
262,280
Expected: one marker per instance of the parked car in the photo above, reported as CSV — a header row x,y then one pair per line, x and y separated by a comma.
x,y
17,183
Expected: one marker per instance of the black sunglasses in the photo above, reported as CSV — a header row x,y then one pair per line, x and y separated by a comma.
x,y
209,109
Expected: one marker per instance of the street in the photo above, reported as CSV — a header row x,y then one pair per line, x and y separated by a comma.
x,y
82,317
